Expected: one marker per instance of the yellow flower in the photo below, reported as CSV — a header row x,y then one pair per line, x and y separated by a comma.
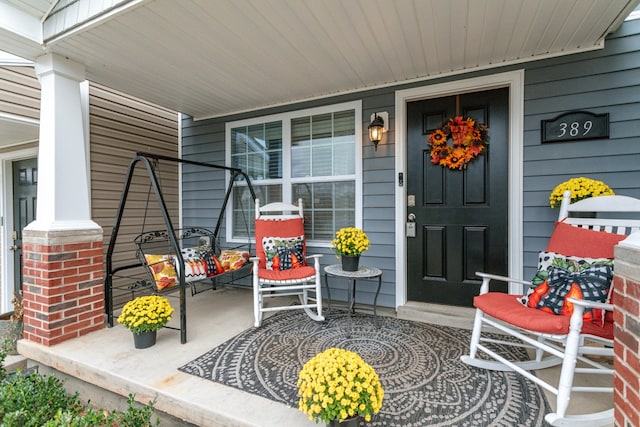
x,y
337,384
350,241
146,313
581,188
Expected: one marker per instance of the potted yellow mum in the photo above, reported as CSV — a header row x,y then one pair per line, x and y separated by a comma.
x,y
144,316
581,188
338,388
348,244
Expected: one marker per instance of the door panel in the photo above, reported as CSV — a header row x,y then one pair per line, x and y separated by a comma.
x,y
461,216
25,181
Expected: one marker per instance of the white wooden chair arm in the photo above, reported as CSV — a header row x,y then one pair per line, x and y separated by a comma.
x,y
316,260
486,278
591,304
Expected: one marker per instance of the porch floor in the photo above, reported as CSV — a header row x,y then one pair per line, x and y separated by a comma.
x,y
104,366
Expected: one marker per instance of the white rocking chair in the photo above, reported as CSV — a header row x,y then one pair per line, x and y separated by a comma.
x,y
281,266
560,339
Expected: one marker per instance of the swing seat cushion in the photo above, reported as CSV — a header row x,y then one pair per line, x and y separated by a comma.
x,y
233,259
163,270
199,263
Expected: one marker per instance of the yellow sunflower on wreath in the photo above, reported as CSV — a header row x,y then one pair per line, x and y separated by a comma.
x,y
468,140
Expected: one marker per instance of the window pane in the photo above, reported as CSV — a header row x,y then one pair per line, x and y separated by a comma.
x,y
322,157
332,137
322,226
244,207
344,219
344,124
257,150
328,207
344,193
300,162
344,158
301,132
323,195
322,129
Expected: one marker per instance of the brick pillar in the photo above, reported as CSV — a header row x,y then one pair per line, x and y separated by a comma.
x,y
63,284
627,333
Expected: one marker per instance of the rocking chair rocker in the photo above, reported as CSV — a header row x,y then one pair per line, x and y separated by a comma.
x,y
561,339
280,268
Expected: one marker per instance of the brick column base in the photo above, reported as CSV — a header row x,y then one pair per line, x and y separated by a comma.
x,y
627,336
63,289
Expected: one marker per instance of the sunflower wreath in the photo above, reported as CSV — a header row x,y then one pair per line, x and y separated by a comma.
x,y
468,138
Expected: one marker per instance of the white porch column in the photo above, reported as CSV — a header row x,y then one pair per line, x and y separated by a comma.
x,y
62,249
63,185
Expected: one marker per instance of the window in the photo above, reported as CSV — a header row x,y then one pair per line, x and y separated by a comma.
x,y
313,155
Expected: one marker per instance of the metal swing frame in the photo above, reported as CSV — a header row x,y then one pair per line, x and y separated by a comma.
x,y
146,159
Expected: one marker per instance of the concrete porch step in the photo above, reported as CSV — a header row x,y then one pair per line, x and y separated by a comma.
x,y
15,362
458,317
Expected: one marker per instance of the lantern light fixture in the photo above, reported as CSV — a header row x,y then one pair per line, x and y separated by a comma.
x,y
377,127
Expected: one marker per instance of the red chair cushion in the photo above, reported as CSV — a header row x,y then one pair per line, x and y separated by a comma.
x,y
507,308
569,240
284,228
293,274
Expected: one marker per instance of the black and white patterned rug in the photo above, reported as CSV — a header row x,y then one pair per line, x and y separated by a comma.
x,y
419,366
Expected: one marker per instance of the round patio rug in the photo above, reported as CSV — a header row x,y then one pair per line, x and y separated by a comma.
x,y
418,364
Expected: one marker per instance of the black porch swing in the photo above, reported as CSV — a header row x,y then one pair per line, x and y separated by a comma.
x,y
174,244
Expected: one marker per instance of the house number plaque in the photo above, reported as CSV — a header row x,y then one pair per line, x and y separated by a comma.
x,y
575,126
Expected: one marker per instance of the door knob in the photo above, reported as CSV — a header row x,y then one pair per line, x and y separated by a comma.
x,y
411,225
14,248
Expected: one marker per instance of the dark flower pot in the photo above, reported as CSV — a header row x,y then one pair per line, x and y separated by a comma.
x,y
349,422
145,339
350,262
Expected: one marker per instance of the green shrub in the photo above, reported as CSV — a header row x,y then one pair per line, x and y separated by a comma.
x,y
30,401
37,400
3,355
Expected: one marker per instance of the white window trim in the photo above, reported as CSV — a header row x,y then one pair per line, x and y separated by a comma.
x,y
286,118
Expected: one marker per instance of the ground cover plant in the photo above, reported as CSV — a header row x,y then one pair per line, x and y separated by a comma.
x,y
36,400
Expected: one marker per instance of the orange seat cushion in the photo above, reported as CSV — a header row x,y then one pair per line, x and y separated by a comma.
x,y
507,308
293,274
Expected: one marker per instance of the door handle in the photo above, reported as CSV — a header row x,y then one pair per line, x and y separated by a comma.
x,y
14,247
411,225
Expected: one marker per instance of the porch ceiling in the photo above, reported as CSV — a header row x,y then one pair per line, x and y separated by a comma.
x,y
214,57
14,131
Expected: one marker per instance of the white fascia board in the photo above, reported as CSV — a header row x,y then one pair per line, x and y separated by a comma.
x,y
7,59
19,22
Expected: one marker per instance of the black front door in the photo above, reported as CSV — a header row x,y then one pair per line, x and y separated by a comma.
x,y
461,216
25,182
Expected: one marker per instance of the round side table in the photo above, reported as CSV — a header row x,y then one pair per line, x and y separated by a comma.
x,y
363,273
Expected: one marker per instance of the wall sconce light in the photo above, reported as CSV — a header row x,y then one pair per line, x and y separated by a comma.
x,y
378,126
